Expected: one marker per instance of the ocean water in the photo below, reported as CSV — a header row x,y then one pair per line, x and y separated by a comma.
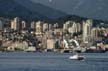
x,y
22,61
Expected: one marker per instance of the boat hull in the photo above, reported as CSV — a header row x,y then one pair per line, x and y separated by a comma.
x,y
77,58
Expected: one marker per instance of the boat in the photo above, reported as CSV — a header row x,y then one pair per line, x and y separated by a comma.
x,y
76,57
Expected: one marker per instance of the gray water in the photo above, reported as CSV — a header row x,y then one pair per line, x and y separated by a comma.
x,y
22,61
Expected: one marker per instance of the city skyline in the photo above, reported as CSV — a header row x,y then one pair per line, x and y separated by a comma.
x,y
53,35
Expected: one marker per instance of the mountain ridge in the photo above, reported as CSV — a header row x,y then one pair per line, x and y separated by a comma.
x,y
14,8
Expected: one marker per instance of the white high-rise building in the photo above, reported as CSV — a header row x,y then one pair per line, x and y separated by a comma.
x,y
45,27
74,26
79,27
1,25
87,26
38,28
23,24
94,32
67,25
33,25
56,25
50,27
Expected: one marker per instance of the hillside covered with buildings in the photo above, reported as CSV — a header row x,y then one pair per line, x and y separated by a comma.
x,y
16,35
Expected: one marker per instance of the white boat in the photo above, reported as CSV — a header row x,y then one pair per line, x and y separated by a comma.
x,y
77,57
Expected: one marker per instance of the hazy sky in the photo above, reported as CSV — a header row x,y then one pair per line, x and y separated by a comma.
x,y
87,8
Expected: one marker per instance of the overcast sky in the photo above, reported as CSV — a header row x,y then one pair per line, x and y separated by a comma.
x,y
86,8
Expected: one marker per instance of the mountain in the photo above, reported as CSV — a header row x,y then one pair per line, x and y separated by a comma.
x,y
27,10
97,9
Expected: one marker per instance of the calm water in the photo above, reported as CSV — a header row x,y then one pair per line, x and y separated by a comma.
x,y
52,62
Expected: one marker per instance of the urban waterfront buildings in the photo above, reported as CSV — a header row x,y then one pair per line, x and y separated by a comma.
x,y
45,36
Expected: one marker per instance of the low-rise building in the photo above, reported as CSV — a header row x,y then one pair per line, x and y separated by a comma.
x,y
50,44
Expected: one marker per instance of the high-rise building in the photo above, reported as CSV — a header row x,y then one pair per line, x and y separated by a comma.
x,y
74,27
79,27
45,27
50,27
94,32
1,28
38,28
67,25
15,24
1,25
87,26
23,24
56,25
33,25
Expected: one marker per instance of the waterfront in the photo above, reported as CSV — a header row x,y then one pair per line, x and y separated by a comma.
x,y
15,61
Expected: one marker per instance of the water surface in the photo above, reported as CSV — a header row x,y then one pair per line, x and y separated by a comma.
x,y
22,61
